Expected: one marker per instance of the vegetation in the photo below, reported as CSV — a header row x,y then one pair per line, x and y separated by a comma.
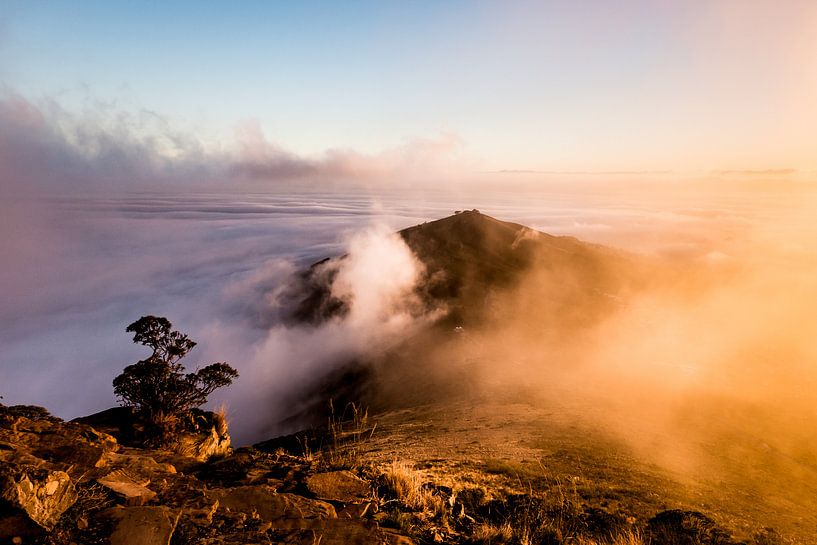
x,y
407,486
346,434
32,412
157,387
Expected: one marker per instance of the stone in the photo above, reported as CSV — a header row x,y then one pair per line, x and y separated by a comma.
x,y
43,495
339,486
17,457
357,510
65,445
284,511
345,532
200,511
139,465
141,525
126,487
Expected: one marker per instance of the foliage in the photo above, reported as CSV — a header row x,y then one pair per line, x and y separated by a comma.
x,y
32,412
157,386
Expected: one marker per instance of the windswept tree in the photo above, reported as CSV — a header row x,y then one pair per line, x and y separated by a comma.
x,y
158,387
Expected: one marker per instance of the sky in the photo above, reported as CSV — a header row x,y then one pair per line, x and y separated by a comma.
x,y
638,85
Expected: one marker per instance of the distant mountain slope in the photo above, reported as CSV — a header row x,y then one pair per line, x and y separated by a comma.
x,y
468,256
479,273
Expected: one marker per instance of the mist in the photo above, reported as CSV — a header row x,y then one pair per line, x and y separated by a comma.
x,y
217,266
101,224
697,355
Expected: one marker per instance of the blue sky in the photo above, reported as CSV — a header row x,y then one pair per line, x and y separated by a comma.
x,y
634,85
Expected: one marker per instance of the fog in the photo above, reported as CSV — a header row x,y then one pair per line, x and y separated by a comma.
x,y
726,310
101,225
698,355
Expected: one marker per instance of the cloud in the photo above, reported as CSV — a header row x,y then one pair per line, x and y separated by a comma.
x,y
79,269
584,172
375,278
81,265
45,147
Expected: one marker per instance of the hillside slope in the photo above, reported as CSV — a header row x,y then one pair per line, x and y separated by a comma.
x,y
470,255
496,396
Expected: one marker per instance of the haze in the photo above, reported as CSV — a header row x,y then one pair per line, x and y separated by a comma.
x,y
187,161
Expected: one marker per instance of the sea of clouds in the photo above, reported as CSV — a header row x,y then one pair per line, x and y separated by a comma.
x,y
100,225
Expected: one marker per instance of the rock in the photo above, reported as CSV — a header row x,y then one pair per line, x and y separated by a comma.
x,y
284,511
126,487
37,455
139,465
141,525
66,445
201,510
339,486
43,495
357,510
345,532
243,467
18,457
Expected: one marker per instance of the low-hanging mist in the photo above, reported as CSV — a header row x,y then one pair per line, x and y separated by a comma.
x,y
722,270
701,363
721,305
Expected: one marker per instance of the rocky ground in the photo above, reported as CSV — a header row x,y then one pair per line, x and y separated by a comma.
x,y
464,473
66,482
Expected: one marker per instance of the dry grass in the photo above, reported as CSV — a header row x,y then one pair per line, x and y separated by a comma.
x,y
488,534
347,432
220,420
408,487
631,537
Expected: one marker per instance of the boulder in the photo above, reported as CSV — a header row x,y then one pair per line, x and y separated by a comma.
x,y
19,457
344,532
141,525
66,445
134,492
357,510
42,494
339,486
139,465
284,511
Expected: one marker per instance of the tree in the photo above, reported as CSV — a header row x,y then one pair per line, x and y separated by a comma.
x,y
157,387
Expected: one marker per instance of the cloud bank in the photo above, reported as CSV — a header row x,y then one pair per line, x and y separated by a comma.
x,y
88,249
45,147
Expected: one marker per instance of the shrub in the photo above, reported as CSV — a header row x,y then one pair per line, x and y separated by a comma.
x,y
32,412
157,387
